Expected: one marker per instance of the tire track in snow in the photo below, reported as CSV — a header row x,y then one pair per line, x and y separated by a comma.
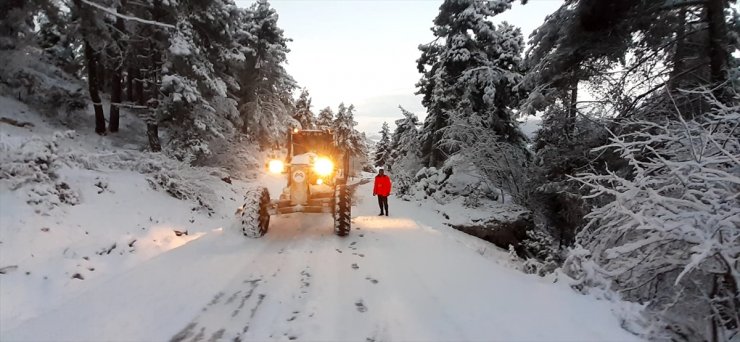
x,y
279,271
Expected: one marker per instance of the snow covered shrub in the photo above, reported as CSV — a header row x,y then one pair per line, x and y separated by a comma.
x,y
452,181
38,83
429,180
485,156
562,147
544,254
170,183
587,275
35,160
402,183
667,229
35,163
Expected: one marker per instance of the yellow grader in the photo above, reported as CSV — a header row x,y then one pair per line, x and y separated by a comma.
x,y
316,171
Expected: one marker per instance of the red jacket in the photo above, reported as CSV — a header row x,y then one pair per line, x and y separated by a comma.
x,y
382,185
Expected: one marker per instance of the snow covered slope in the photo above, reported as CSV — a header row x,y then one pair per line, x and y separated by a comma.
x,y
77,209
99,259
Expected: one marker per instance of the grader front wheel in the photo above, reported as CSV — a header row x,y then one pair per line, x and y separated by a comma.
x,y
255,219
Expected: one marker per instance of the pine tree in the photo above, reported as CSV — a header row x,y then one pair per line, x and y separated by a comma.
x,y
471,79
382,148
303,113
345,135
404,141
266,86
325,119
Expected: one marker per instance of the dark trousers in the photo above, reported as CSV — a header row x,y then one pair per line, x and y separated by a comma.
x,y
383,203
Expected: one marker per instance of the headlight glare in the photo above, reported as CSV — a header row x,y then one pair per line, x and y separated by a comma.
x,y
323,166
276,166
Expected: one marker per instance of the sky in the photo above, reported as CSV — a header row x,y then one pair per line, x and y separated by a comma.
x,y
364,52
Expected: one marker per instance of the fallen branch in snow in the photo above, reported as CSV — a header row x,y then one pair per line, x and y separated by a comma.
x,y
8,269
15,123
126,17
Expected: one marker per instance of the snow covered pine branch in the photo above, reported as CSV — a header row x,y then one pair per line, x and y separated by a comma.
x,y
670,228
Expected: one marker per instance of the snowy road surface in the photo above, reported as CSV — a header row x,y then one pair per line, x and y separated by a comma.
x,y
393,279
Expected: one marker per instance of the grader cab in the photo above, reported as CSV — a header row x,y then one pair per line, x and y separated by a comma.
x,y
316,182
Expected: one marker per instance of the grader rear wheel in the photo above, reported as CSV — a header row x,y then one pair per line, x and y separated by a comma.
x,y
342,210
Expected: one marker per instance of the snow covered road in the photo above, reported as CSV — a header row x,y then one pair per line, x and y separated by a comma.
x,y
392,279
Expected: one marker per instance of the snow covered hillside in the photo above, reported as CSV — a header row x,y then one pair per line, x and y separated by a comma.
x,y
101,243
76,210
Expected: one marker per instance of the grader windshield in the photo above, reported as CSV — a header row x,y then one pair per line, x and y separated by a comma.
x,y
313,141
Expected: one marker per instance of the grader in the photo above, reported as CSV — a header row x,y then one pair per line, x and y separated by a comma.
x,y
316,182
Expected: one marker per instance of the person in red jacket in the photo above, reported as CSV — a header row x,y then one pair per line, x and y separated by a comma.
x,y
382,189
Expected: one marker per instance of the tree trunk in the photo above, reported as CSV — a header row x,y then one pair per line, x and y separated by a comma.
x,y
680,52
116,77
718,53
92,83
152,132
115,100
130,85
139,89
99,59
572,110
152,126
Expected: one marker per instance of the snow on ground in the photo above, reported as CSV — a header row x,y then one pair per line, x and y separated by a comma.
x,y
403,277
77,209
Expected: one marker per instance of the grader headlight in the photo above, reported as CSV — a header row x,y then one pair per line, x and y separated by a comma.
x,y
276,166
323,166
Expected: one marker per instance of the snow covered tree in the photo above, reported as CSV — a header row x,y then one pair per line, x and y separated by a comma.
x,y
195,85
403,158
343,127
325,118
470,85
94,35
382,148
265,85
637,73
303,113
404,141
345,134
667,231
17,20
471,77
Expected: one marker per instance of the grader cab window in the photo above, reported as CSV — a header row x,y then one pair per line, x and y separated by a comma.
x,y
319,142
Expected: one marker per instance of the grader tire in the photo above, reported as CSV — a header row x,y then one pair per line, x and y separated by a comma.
x,y
342,210
255,219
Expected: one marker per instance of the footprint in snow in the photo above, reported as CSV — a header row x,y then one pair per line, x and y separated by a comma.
x,y
360,305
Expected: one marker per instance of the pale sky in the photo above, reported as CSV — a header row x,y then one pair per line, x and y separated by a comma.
x,y
364,52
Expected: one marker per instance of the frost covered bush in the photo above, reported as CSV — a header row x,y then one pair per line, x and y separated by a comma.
x,y
34,163
37,82
446,184
187,183
667,230
544,254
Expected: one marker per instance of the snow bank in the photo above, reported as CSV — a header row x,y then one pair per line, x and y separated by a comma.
x,y
77,211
